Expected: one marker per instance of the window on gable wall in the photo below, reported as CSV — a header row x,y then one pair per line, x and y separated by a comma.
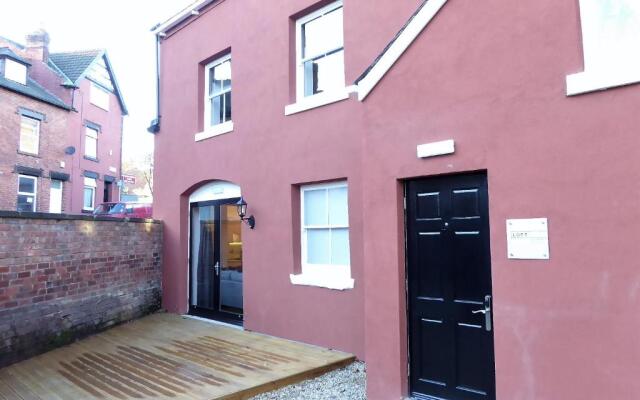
x,y
29,135
99,96
320,51
611,45
325,236
217,109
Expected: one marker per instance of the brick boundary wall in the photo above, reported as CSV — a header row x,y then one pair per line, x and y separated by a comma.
x,y
63,277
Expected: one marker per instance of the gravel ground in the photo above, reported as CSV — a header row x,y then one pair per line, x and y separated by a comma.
x,y
347,383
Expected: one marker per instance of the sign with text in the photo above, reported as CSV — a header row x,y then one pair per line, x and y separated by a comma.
x,y
130,179
528,239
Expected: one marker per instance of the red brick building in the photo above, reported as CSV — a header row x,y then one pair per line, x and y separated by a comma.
x,y
60,128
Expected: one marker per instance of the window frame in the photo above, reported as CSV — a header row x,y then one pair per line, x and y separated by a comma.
x,y
37,134
301,60
88,128
598,75
226,125
93,188
332,276
34,194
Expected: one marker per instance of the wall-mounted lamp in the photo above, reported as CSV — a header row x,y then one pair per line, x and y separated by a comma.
x,y
242,212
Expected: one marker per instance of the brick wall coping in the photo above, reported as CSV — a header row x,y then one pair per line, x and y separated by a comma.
x,y
71,217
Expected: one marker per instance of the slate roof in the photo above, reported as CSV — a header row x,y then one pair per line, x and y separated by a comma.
x,y
16,44
74,63
7,52
34,90
71,65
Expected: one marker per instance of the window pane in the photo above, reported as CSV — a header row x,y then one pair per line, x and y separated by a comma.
x,y
323,34
26,203
216,110
88,197
220,77
91,143
15,71
315,207
611,34
338,207
327,73
26,185
227,106
99,97
340,246
318,250
55,184
29,135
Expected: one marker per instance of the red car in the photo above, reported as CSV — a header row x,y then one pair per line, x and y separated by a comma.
x,y
124,210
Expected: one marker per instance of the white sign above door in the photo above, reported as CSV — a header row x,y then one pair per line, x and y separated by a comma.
x,y
528,239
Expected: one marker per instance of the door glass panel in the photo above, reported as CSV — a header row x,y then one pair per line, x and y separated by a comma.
x,y
55,205
230,260
203,256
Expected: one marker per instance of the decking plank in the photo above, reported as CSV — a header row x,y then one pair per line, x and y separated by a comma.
x,y
166,356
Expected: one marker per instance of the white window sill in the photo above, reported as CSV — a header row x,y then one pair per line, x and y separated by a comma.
x,y
215,130
586,82
324,280
317,100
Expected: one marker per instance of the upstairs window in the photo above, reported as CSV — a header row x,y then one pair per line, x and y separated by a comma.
x,y
217,109
15,71
27,190
611,45
320,52
99,97
29,135
91,143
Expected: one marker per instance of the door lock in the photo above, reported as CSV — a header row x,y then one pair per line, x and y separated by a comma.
x,y
217,268
486,311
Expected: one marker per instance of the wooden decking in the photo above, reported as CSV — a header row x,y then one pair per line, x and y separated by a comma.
x,y
166,356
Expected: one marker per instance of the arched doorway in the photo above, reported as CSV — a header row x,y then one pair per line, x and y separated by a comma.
x,y
215,253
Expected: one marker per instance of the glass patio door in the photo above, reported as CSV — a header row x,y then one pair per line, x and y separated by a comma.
x,y
216,261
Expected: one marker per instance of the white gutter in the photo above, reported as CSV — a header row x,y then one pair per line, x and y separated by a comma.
x,y
192,10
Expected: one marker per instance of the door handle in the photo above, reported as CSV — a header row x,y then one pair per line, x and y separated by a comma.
x,y
486,311
217,268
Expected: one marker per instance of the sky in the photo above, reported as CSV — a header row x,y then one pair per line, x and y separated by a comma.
x,y
123,27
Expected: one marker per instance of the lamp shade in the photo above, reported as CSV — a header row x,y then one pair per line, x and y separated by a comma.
x,y
242,207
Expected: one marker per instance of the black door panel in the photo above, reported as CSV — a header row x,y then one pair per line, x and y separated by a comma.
x,y
216,261
449,275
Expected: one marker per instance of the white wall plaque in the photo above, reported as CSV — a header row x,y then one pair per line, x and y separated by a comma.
x,y
436,148
528,239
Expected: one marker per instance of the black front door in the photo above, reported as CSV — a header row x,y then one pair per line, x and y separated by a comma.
x,y
449,282
215,260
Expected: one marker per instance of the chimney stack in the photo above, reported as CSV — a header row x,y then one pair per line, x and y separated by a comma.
x,y
38,45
